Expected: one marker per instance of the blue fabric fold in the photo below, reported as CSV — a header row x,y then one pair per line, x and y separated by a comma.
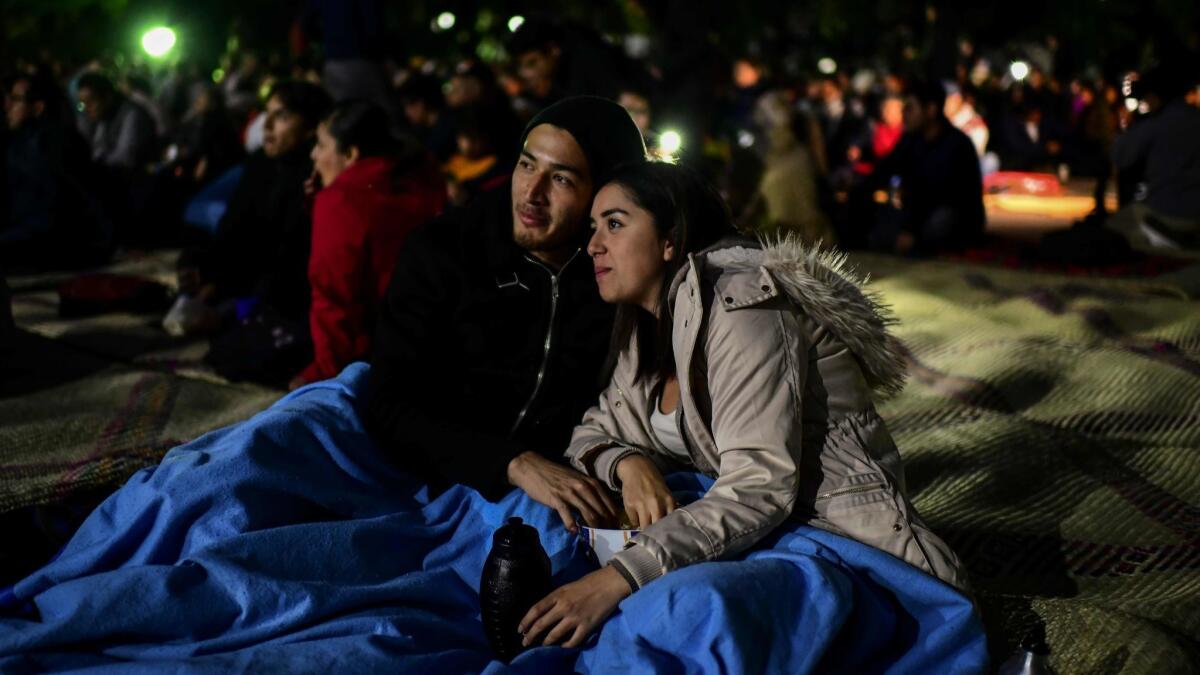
x,y
289,544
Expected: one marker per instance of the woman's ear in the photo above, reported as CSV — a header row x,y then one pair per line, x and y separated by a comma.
x,y
351,155
668,250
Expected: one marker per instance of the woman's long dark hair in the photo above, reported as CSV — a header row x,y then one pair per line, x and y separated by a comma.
x,y
357,123
688,212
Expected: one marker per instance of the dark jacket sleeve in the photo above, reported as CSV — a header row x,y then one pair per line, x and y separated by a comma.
x,y
414,393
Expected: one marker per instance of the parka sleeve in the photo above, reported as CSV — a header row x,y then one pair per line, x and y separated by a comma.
x,y
601,440
757,364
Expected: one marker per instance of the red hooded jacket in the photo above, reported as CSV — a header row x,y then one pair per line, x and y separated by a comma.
x,y
359,223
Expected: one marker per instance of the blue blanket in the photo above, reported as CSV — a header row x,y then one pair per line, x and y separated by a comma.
x,y
287,544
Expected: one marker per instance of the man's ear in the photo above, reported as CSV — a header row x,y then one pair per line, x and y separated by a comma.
x,y
352,154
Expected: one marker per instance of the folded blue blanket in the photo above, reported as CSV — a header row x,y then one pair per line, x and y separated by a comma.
x,y
288,544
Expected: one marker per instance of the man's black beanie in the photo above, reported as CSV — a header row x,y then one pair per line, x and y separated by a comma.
x,y
603,129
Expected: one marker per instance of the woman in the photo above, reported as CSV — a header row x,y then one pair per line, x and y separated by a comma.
x,y
753,365
376,192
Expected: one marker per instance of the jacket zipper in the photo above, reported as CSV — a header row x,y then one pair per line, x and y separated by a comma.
x,y
850,490
537,387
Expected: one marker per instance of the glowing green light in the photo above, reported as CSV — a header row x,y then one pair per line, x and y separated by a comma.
x,y
218,75
158,41
670,142
515,22
446,20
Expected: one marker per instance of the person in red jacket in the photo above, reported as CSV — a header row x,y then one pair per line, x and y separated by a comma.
x,y
376,191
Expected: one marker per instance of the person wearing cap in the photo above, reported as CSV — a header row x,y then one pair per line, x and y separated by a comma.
x,y
492,335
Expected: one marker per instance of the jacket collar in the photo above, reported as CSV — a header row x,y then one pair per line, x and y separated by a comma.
x,y
364,173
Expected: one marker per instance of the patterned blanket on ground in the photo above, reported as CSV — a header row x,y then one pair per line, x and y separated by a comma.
x,y
1050,429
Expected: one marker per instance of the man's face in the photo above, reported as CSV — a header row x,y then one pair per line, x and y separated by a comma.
x,y
551,190
94,104
914,114
16,106
284,129
536,70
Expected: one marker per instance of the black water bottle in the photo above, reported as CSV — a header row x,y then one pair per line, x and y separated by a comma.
x,y
515,576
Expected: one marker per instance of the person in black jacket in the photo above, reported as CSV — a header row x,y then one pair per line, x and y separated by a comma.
x,y
492,337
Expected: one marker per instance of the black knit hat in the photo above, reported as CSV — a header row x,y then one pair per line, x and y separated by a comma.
x,y
604,131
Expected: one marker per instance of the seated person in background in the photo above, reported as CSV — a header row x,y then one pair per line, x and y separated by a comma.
x,y
257,266
52,215
491,338
124,142
476,166
120,132
425,110
1162,149
376,190
936,172
752,365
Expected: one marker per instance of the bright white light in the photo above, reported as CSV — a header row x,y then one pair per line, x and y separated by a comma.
x,y
1131,104
745,139
158,41
446,20
827,66
670,142
515,23
1019,70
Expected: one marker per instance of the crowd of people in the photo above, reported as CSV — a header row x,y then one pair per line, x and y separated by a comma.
x,y
435,220
318,174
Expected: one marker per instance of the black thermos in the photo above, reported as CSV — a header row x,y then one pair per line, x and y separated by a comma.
x,y
515,576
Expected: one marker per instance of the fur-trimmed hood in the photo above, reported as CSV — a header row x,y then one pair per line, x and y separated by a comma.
x,y
823,284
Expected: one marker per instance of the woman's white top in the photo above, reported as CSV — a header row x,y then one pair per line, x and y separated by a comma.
x,y
666,430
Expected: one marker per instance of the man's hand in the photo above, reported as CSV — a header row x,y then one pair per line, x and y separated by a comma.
x,y
562,488
646,495
573,611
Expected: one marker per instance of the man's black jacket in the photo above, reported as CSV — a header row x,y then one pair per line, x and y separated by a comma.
x,y
470,335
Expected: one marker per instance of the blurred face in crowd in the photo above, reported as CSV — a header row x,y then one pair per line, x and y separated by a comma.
x,y
95,105
328,161
551,191
627,252
284,129
17,107
418,113
463,90
954,103
638,108
919,116
536,69
891,111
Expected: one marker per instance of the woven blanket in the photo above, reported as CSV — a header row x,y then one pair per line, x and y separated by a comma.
x,y
1050,430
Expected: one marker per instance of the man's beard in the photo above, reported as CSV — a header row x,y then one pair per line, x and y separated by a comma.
x,y
535,242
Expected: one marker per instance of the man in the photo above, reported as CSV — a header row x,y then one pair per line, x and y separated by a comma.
x,y
259,257
492,335
120,132
556,59
936,172
1162,150
52,217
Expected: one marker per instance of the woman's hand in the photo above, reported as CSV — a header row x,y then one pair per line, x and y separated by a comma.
x,y
573,611
645,493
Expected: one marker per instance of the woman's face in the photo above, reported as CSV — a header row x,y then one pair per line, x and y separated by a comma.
x,y
628,255
327,159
